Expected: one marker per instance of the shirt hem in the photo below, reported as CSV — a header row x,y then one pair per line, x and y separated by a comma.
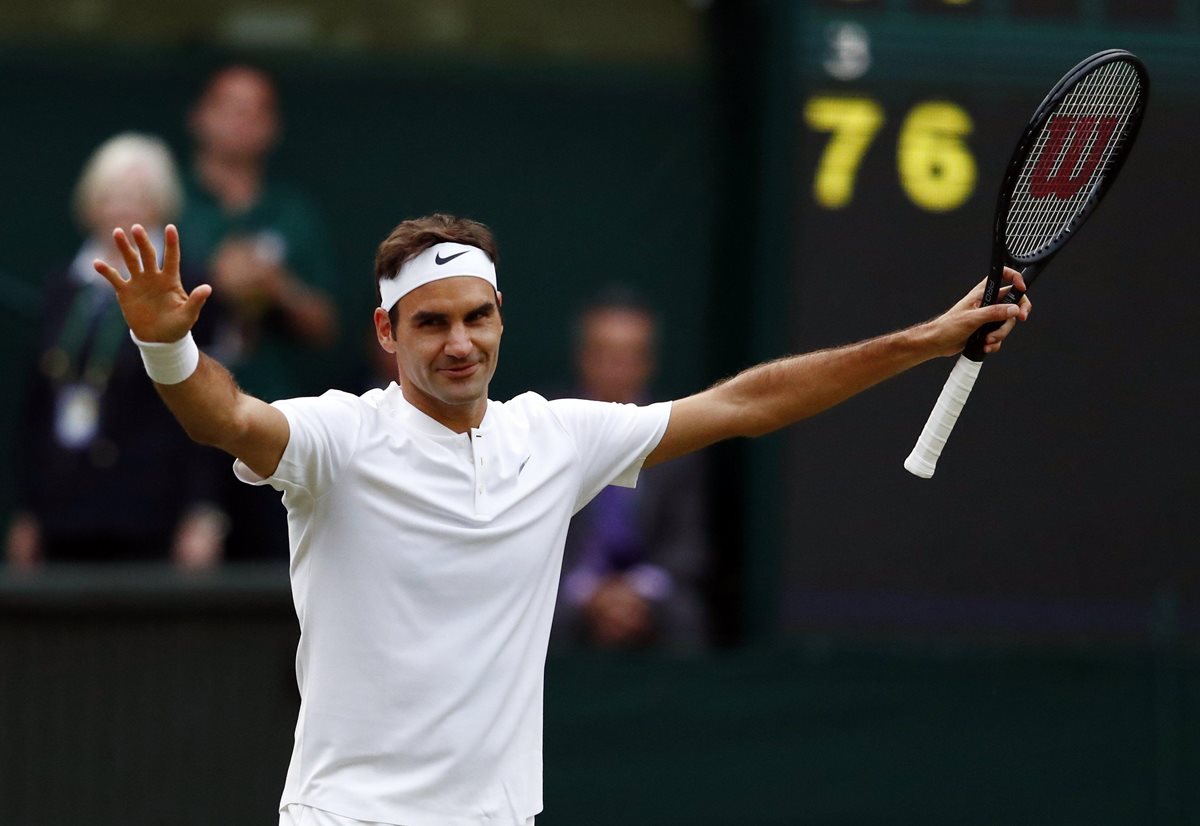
x,y
408,816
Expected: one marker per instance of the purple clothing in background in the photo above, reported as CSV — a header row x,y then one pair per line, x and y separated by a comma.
x,y
613,544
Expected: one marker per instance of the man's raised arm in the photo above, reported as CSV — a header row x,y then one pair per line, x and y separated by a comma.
x,y
199,392
777,393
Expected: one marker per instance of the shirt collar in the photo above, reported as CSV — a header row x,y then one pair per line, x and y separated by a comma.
x,y
393,399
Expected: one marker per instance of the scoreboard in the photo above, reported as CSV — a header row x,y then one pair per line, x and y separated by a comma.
x,y
1062,506
921,80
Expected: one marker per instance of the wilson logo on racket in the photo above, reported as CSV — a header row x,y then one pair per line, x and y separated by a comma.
x,y
1058,171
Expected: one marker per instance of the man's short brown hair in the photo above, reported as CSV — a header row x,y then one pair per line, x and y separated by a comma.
x,y
416,235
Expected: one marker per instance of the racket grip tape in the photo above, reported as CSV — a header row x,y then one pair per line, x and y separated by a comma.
x,y
923,459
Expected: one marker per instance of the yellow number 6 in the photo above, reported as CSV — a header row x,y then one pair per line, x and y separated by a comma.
x,y
937,169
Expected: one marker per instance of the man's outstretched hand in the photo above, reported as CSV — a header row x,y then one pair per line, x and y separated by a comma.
x,y
153,301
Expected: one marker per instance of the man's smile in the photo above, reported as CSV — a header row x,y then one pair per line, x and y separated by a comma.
x,y
460,371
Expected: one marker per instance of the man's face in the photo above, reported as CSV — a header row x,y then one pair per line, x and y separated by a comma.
x,y
616,355
237,117
447,341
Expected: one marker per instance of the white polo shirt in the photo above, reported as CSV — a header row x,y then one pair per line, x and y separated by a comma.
x,y
424,567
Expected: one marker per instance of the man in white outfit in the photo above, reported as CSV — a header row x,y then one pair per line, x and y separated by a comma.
x,y
427,522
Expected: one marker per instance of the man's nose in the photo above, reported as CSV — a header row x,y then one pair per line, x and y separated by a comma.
x,y
458,345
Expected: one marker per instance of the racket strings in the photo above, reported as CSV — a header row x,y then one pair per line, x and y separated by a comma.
x,y
1048,196
1036,218
1076,128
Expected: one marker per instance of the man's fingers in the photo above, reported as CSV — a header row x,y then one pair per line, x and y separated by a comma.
x,y
1015,278
110,275
1018,283
1004,291
1011,277
994,313
171,252
195,303
996,337
146,247
1024,305
976,294
133,261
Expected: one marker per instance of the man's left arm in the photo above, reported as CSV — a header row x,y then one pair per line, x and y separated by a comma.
x,y
775,394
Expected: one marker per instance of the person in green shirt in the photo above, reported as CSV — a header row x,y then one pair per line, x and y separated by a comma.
x,y
271,266
263,242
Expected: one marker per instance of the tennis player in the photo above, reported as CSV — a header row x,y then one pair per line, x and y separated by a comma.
x,y
427,522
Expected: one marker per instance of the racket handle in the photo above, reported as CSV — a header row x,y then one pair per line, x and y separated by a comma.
x,y
923,459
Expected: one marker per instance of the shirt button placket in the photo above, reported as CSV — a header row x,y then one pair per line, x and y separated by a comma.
x,y
477,450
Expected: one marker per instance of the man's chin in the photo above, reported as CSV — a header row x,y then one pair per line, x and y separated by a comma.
x,y
461,393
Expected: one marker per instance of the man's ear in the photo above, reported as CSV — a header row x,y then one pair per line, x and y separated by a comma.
x,y
383,330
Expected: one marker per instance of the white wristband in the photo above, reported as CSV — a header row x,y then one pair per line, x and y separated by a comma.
x,y
168,362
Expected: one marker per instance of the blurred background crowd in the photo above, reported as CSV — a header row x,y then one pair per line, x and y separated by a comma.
x,y
679,188
103,473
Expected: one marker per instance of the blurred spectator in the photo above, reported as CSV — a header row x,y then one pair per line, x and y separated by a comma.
x,y
636,558
380,365
104,471
272,269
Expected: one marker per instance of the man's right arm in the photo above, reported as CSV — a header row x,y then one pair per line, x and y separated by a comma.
x,y
207,402
214,411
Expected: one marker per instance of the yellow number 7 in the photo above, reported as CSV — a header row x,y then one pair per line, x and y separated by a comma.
x,y
852,123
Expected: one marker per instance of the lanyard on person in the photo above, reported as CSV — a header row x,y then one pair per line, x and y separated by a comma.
x,y
93,325
92,315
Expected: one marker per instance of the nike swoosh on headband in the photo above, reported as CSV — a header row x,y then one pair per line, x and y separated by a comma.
x,y
430,265
437,259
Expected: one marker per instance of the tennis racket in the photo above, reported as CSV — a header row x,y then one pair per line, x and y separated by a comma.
x,y
1068,157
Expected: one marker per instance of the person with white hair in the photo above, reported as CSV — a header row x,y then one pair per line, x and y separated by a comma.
x,y
93,430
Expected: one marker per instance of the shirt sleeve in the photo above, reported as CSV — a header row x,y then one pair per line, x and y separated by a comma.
x,y
323,436
612,440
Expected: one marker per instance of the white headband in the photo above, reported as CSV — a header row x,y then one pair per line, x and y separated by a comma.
x,y
444,260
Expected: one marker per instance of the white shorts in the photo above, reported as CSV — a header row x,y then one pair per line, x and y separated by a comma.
x,y
296,815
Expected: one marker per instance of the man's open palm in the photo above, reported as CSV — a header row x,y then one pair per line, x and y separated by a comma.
x,y
153,301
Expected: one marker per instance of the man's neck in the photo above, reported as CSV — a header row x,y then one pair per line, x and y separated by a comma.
x,y
234,182
457,417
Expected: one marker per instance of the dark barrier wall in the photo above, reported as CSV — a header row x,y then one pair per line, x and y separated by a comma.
x,y
140,697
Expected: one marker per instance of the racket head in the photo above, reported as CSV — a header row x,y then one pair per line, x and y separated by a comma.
x,y
1067,158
